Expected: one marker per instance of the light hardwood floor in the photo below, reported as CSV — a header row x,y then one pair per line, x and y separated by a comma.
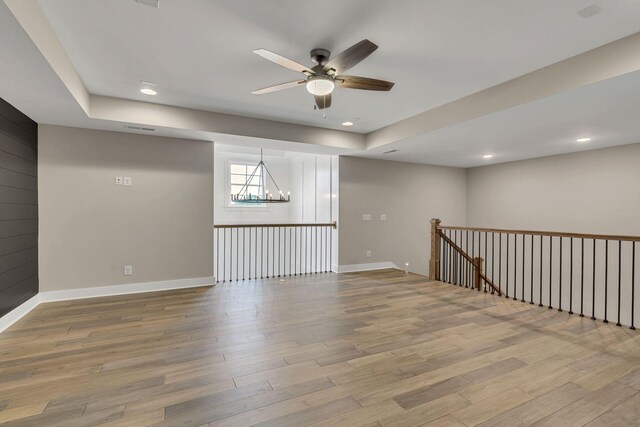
x,y
367,349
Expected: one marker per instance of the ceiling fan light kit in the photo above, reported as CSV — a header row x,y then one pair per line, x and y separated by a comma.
x,y
323,78
320,85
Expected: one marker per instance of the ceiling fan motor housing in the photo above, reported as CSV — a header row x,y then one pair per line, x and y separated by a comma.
x,y
320,56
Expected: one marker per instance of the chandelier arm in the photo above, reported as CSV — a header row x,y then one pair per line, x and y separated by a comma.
x,y
274,181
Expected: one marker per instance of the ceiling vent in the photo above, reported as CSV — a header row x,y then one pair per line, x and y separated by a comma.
x,y
589,11
152,3
140,128
389,152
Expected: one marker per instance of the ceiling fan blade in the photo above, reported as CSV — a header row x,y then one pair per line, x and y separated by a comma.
x,y
285,62
276,88
323,101
364,83
350,57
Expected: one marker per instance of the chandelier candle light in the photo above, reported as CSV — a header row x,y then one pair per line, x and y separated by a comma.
x,y
243,196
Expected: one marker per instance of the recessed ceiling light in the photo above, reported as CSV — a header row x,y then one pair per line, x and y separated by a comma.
x,y
148,88
347,123
487,156
586,139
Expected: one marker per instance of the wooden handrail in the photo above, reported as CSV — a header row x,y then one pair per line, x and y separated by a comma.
x,y
469,259
546,233
333,224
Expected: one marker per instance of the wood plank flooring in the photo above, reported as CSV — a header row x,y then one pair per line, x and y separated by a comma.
x,y
363,349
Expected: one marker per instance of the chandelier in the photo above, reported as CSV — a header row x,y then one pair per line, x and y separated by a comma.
x,y
244,196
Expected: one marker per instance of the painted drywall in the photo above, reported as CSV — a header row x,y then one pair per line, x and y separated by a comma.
x,y
410,195
18,208
90,228
588,192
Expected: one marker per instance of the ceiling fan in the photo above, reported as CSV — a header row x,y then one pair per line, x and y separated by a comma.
x,y
322,78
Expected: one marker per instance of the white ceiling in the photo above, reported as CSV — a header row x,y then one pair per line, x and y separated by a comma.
x,y
199,52
606,111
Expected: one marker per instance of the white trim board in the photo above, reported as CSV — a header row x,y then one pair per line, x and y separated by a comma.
x,y
100,291
351,268
19,312
132,288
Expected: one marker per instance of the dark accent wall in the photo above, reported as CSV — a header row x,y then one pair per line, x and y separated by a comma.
x,y
18,208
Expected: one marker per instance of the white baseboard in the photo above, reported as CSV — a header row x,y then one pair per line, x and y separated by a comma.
x,y
19,312
132,288
99,291
351,268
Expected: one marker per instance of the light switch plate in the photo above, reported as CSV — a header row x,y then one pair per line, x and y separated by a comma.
x,y
368,254
118,180
126,181
366,217
127,270
383,217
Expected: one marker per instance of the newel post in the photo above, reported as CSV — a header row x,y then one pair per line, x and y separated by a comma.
x,y
434,261
477,269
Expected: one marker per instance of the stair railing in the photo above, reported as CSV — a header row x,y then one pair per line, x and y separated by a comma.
x,y
586,274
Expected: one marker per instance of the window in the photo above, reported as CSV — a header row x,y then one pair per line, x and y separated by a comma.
x,y
239,173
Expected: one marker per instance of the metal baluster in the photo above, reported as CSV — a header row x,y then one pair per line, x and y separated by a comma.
x,y
571,278
499,262
507,270
550,268
466,264
541,244
237,254
619,278
633,282
493,259
515,266
523,261
560,279
606,278
582,277
593,281
486,268
451,262
531,291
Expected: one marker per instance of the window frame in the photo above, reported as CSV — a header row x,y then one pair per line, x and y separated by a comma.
x,y
250,166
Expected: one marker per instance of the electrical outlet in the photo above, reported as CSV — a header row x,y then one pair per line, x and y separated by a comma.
x,y
126,181
383,217
368,254
118,180
366,217
128,270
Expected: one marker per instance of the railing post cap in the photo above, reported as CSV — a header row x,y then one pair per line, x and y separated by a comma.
x,y
435,220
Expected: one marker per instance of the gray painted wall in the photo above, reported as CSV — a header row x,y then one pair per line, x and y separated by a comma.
x,y
90,228
410,195
18,208
591,192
